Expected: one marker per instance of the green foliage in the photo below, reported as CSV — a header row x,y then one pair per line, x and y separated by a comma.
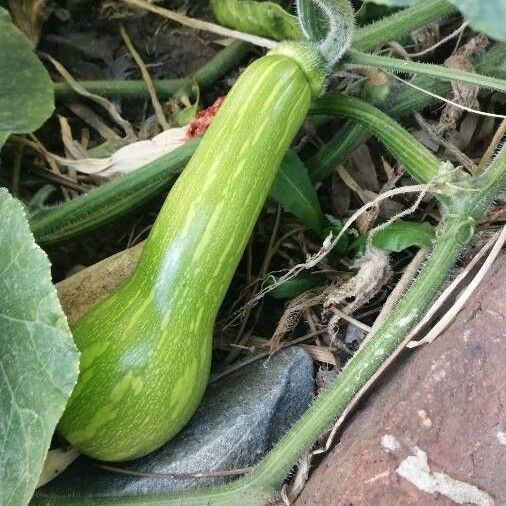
x,y
401,235
3,138
293,189
38,360
398,236
370,12
266,19
487,16
296,286
493,63
26,91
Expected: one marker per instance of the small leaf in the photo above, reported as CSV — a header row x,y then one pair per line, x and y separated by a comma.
x,y
370,12
293,189
190,111
38,359
493,62
296,286
401,235
487,16
266,19
26,91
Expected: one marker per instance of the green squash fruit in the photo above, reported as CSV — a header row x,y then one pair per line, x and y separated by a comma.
x,y
146,349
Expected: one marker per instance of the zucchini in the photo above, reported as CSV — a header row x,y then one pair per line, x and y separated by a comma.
x,y
146,349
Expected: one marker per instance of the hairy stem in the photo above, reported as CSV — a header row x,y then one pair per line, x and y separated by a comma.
x,y
116,198
401,23
110,200
384,62
216,68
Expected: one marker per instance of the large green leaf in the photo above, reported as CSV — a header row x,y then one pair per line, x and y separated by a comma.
x,y
267,19
293,189
26,91
38,359
487,16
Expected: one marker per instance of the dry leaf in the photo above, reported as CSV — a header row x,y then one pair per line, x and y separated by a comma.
x,y
131,157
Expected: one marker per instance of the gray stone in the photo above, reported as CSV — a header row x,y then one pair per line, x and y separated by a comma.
x,y
239,420
354,335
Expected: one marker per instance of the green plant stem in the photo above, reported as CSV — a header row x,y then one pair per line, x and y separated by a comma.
x,y
384,62
216,68
257,488
401,23
464,209
417,159
110,200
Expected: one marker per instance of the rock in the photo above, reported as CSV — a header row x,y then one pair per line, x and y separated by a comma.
x,y
354,335
434,431
82,290
241,417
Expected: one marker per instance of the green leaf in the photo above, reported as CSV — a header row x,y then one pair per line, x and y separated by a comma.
x,y
370,12
296,286
26,91
293,189
401,235
493,63
487,16
38,359
266,19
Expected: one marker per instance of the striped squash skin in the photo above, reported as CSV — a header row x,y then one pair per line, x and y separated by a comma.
x,y
146,349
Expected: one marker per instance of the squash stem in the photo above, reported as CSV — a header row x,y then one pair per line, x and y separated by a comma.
x,y
401,23
462,211
397,65
390,28
418,160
